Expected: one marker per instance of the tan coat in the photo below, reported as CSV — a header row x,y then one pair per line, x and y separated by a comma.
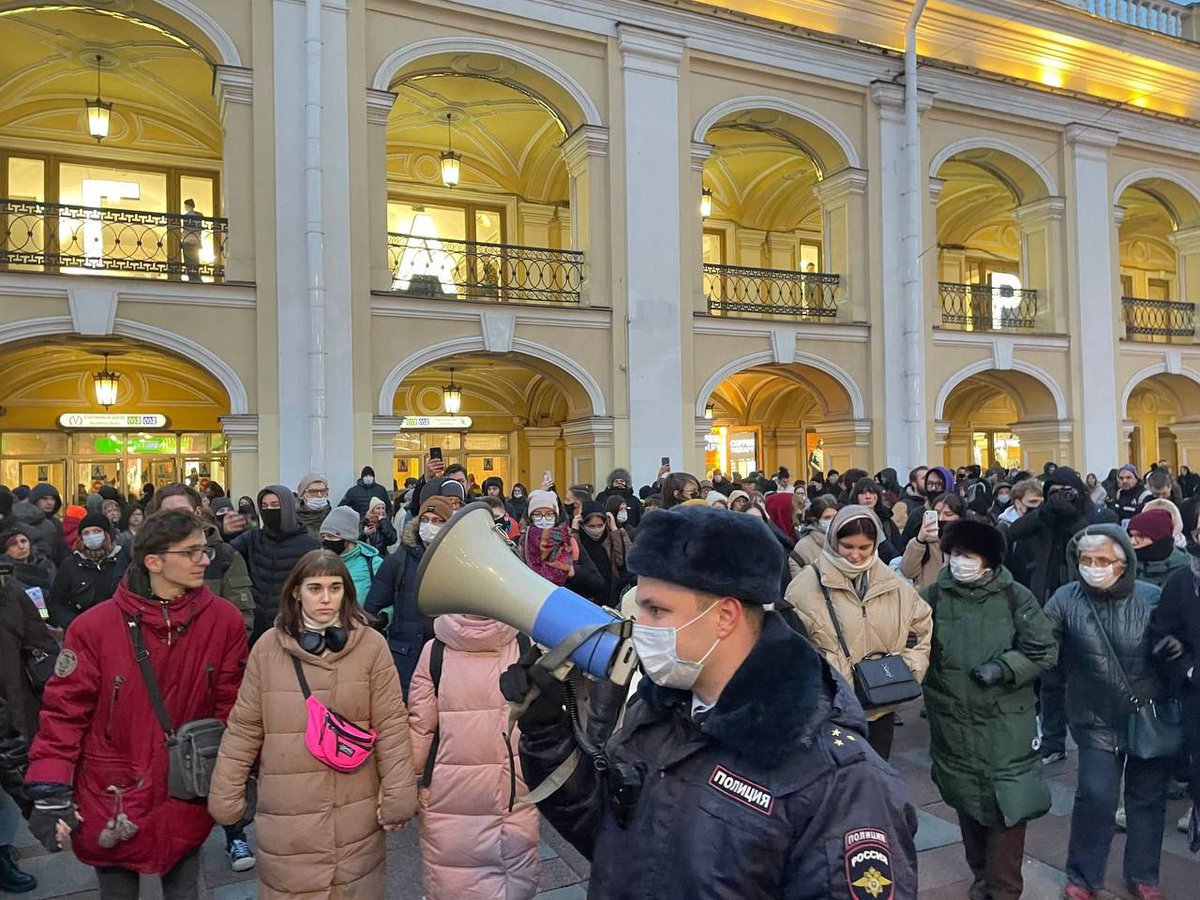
x,y
318,830
921,563
808,548
880,622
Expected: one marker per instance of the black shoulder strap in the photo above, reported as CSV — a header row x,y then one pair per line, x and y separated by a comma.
x,y
437,654
300,675
371,560
837,626
523,643
797,559
142,656
1116,661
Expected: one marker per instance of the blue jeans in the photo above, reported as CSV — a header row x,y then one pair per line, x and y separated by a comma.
x,y
10,820
1092,822
1052,704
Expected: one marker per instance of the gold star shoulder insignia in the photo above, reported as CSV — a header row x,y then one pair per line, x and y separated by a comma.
x,y
837,732
837,742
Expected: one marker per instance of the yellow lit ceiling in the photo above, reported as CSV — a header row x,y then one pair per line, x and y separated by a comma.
x,y
999,398
509,138
159,85
38,383
780,396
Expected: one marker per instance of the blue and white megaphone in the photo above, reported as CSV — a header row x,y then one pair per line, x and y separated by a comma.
x,y
470,568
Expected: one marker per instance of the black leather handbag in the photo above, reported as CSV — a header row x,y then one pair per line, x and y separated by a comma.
x,y
880,679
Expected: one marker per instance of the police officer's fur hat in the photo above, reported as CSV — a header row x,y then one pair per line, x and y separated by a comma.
x,y
975,537
712,550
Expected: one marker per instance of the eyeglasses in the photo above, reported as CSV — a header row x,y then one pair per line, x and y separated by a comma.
x,y
314,492
1099,562
196,555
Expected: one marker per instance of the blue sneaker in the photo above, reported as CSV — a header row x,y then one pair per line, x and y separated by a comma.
x,y
241,857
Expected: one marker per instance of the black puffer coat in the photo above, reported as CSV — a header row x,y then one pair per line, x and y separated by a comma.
x,y
776,795
21,630
392,592
271,555
81,583
1097,702
359,495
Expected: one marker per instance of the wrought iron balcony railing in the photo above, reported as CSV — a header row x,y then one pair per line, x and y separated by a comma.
x,y
741,289
57,238
473,270
1158,320
981,307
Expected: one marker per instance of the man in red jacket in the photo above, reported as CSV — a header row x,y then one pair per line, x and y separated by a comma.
x,y
99,763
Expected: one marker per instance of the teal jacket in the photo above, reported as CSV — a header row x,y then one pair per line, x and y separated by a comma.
x,y
363,562
1158,571
987,759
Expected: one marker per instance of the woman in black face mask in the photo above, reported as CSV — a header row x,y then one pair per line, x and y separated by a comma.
x,y
518,502
272,551
1152,534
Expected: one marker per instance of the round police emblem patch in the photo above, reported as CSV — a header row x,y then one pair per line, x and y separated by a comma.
x,y
65,664
868,865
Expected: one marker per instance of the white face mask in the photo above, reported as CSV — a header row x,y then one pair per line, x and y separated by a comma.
x,y
823,525
658,650
368,480
595,532
622,517
93,541
317,502
543,521
428,531
1099,577
965,568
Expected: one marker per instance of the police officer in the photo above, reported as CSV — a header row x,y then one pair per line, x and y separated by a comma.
x,y
742,768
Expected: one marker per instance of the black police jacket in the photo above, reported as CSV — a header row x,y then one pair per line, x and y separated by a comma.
x,y
776,794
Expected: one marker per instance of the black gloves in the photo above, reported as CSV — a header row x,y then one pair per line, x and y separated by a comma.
x,y
383,620
47,812
990,674
1169,648
518,679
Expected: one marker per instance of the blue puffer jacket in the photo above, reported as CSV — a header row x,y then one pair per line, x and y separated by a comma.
x,y
392,592
1098,704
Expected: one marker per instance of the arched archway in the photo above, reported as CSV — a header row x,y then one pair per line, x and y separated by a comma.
x,y
1162,411
520,414
767,415
1007,418
989,193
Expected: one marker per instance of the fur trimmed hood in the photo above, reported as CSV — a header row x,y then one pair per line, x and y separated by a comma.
x,y
781,694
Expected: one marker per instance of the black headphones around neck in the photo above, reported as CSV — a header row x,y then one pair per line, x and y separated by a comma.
x,y
332,639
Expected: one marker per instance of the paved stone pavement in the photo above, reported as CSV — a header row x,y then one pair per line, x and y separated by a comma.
x,y
944,873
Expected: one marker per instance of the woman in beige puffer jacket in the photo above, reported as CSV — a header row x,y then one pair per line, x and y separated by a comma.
x,y
320,832
923,559
812,536
876,610
472,845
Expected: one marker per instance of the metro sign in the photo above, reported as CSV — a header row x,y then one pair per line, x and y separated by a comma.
x,y
77,421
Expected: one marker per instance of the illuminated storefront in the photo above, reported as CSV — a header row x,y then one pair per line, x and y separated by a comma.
x,y
485,455
733,450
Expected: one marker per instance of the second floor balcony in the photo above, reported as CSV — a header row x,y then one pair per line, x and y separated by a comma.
x,y
63,239
1159,321
441,268
982,307
771,292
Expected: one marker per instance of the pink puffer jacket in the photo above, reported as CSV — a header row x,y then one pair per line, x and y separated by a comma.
x,y
473,848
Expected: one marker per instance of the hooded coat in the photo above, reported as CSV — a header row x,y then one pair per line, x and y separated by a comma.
x,y
394,592
890,610
317,830
358,497
98,727
1098,706
1038,540
472,845
983,740
363,562
46,530
631,500
272,554
21,630
82,582
1157,571
763,800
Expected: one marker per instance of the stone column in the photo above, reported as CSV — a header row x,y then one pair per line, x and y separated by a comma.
x,y
589,450
1187,244
750,247
1045,441
234,88
384,430
1092,283
941,437
534,220
847,443
653,224
792,452
541,443
842,196
1187,442
379,107
586,156
1040,226
244,476
958,445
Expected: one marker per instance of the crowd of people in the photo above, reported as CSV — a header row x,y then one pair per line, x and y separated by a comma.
x,y
177,660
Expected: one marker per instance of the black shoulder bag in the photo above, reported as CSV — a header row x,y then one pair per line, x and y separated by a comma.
x,y
1153,730
193,746
880,679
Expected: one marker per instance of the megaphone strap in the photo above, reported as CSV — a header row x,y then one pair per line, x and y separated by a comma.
x,y
562,651
553,781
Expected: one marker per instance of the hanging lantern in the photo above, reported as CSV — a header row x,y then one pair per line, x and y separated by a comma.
x,y
708,410
451,397
451,161
105,383
705,203
98,112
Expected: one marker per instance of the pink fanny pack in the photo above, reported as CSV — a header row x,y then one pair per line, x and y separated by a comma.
x,y
330,737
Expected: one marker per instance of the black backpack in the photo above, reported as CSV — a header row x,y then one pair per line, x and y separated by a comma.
x,y
436,655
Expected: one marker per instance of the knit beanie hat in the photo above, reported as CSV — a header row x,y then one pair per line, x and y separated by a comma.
x,y
96,520
591,508
540,499
439,505
710,550
307,481
1155,524
342,522
366,470
1129,467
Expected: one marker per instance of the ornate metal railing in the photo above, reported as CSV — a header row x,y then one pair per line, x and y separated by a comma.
x,y
741,289
53,237
1149,320
473,270
981,307
1165,18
